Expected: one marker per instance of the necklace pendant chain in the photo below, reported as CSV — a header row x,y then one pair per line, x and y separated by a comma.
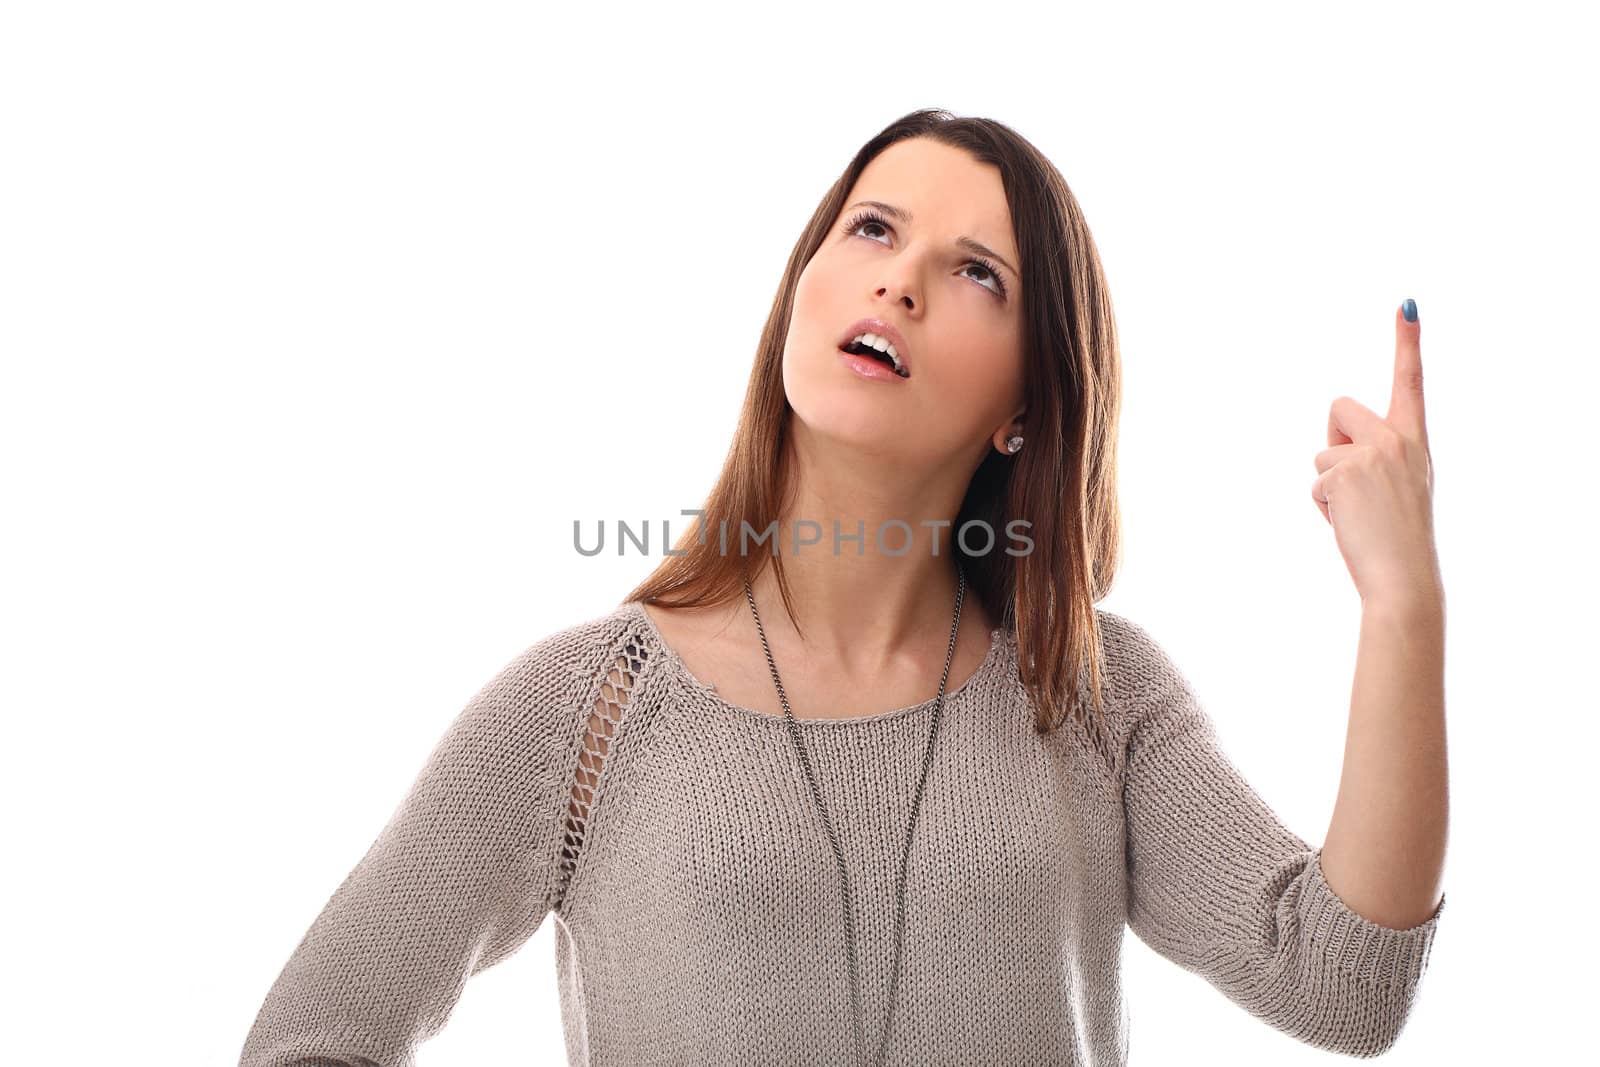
x,y
833,836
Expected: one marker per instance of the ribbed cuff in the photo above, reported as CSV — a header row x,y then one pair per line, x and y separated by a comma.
x,y
1357,946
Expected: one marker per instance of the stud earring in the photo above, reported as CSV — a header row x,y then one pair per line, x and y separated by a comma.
x,y
1013,444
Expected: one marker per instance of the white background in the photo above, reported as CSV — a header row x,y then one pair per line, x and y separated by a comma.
x,y
321,322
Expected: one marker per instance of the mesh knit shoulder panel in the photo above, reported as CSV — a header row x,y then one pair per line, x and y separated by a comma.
x,y
606,718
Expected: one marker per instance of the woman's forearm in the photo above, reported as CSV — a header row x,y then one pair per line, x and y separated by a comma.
x,y
1384,853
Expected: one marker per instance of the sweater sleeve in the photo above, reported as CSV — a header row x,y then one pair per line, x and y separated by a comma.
x,y
459,878
1218,885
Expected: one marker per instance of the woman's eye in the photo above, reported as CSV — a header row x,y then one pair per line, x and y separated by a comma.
x,y
864,225
998,287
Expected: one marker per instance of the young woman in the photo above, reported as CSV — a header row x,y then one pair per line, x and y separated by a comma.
x,y
860,774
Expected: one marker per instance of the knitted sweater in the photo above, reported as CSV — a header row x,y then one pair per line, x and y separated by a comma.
x,y
673,838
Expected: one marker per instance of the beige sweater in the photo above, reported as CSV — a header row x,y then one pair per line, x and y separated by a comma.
x,y
674,840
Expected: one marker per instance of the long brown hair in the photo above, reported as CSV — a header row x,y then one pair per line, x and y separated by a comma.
x,y
1063,482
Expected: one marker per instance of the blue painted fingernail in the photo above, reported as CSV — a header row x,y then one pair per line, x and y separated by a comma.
x,y
1409,310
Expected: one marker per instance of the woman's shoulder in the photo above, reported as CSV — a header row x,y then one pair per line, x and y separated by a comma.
x,y
586,648
578,639
557,672
1138,673
1127,644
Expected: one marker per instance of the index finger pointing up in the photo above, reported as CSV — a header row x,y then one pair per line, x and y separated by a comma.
x,y
1405,399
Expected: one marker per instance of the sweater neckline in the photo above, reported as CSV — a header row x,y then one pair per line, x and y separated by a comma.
x,y
680,670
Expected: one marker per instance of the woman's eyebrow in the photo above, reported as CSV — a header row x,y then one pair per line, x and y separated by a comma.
x,y
964,241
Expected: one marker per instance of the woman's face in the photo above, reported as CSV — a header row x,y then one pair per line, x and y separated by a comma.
x,y
906,265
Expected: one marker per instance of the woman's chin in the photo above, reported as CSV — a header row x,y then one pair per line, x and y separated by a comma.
x,y
847,424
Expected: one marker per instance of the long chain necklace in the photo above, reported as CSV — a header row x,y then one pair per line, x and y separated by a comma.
x,y
833,837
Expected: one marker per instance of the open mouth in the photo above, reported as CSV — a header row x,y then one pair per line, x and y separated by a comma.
x,y
856,348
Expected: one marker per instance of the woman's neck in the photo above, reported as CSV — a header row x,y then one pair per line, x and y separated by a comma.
x,y
864,610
